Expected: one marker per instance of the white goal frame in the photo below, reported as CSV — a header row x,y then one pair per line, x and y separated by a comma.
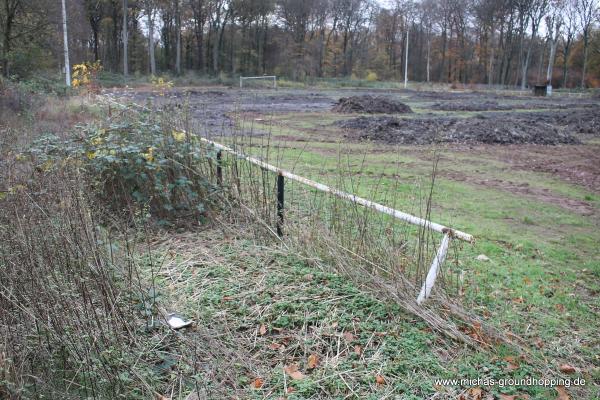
x,y
243,78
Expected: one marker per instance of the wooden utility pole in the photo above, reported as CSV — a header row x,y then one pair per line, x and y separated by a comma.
x,y
66,45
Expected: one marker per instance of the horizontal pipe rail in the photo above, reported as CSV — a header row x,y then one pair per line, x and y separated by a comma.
x,y
258,77
351,197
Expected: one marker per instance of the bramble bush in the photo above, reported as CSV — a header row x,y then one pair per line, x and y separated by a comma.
x,y
141,163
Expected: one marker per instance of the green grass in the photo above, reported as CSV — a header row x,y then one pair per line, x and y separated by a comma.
x,y
542,280
304,311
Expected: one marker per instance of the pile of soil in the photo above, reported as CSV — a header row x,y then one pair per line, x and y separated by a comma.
x,y
370,105
480,129
474,106
578,120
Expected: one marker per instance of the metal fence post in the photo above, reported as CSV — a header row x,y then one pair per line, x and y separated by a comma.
x,y
219,168
280,199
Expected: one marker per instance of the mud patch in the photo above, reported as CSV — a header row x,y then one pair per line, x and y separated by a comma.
x,y
578,165
480,129
370,105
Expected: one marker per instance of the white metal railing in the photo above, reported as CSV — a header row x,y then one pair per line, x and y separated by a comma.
x,y
448,233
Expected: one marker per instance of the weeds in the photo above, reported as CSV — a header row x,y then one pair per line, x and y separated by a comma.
x,y
69,313
87,282
77,318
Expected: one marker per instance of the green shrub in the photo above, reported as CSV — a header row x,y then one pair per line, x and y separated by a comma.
x,y
143,162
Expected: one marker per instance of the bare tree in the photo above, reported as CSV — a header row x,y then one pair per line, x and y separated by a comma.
x,y
149,9
536,10
219,13
178,37
427,14
569,15
586,11
554,22
199,17
11,8
296,15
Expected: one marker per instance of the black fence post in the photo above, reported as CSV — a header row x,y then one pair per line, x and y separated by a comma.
x,y
219,168
280,199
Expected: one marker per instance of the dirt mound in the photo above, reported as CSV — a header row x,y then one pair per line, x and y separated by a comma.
x,y
370,105
479,129
581,120
474,106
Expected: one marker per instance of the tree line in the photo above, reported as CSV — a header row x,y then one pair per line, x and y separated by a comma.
x,y
496,42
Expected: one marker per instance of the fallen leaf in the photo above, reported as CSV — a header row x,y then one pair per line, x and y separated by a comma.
x,y
258,383
562,393
161,397
508,396
348,336
539,343
567,369
290,390
358,350
513,364
262,330
380,380
292,371
275,346
559,307
475,332
227,298
313,360
476,393
518,300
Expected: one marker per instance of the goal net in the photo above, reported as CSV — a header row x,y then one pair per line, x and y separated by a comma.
x,y
258,81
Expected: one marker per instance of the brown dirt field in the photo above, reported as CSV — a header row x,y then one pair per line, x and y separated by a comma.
x,y
525,190
574,164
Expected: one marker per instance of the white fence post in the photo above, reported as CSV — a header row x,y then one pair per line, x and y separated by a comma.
x,y
434,270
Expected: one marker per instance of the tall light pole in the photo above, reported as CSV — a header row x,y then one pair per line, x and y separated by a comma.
x,y
406,62
66,45
125,44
